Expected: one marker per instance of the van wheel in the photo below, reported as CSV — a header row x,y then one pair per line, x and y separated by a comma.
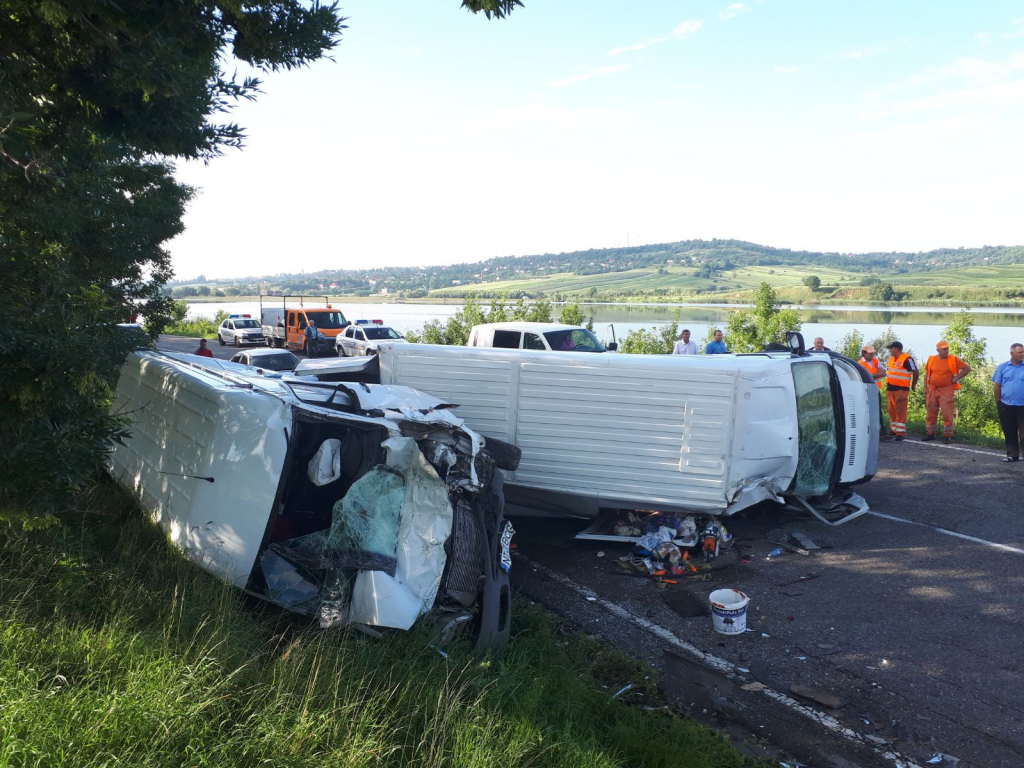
x,y
505,455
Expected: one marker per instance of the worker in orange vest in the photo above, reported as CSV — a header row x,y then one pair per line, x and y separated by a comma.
x,y
869,362
900,378
942,376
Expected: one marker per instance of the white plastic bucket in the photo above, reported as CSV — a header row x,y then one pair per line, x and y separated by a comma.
x,y
729,611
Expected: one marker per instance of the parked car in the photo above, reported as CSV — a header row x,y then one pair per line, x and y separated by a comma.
x,y
240,330
365,339
538,336
268,359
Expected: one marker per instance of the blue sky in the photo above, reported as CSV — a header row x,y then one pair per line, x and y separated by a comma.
x,y
436,136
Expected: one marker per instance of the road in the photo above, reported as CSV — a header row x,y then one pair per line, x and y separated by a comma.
x,y
917,630
912,617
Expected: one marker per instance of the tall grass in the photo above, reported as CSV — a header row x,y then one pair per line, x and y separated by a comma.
x,y
115,651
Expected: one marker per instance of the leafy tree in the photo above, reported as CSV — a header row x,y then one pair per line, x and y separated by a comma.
x,y
652,341
851,345
813,282
750,330
882,292
571,314
94,95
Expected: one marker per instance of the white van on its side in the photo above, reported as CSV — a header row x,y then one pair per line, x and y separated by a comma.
x,y
707,434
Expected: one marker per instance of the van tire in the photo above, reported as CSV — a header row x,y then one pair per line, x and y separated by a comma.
x,y
504,455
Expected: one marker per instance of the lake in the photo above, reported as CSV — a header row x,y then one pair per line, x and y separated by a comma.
x,y
917,327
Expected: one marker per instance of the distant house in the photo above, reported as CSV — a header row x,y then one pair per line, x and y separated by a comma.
x,y
456,282
384,291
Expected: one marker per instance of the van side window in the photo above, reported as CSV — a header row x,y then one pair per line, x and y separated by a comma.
x,y
291,319
533,341
507,339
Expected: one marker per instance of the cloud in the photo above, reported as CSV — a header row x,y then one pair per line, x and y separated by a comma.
x,y
972,70
983,39
587,74
779,70
734,10
635,46
687,28
866,52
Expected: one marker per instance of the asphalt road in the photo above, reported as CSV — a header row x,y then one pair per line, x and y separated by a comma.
x,y
916,630
912,618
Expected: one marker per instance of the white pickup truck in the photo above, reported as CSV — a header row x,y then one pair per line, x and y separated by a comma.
x,y
551,337
677,433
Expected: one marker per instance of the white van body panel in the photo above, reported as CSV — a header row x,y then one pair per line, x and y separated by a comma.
x,y
713,434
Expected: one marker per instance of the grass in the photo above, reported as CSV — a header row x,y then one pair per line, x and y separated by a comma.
x,y
116,651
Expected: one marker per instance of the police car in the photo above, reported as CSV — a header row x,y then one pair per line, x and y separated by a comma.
x,y
240,330
364,337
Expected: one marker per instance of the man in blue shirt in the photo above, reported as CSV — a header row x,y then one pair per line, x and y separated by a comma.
x,y
1008,385
716,347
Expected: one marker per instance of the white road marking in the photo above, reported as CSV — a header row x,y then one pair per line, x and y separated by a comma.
x,y
996,545
945,447
872,742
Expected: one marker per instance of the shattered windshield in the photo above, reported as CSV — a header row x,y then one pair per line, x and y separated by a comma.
x,y
816,425
579,340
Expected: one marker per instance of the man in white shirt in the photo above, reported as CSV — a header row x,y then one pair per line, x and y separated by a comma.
x,y
684,346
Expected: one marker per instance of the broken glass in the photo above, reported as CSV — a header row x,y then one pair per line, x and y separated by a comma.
x,y
365,521
816,426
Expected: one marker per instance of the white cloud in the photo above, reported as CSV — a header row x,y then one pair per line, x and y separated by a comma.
x,y
588,74
687,28
734,10
973,70
635,46
866,52
983,39
780,70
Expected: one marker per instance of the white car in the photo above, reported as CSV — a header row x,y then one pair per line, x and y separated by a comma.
x,y
269,359
358,340
240,330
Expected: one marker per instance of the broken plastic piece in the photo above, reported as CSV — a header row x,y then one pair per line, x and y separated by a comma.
x,y
285,585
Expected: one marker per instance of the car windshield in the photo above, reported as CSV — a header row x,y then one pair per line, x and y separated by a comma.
x,y
377,333
577,340
275,361
246,323
328,319
816,426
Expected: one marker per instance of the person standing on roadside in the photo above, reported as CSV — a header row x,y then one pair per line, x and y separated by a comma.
x,y
819,345
684,346
1008,386
203,351
311,340
716,347
900,378
869,362
942,375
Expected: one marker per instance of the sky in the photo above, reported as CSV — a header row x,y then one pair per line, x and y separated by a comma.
x,y
435,136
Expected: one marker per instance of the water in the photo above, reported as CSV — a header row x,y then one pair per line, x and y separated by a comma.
x,y
917,327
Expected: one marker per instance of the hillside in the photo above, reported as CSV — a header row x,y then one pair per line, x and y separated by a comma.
x,y
684,269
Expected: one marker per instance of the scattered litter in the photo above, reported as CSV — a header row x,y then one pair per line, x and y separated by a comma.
x,y
742,669
622,690
777,552
792,594
805,577
819,649
821,697
591,599
754,687
802,658
941,758
805,541
765,634
746,559
791,618
601,553
799,550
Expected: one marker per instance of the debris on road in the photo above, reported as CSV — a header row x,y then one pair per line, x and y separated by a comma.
x,y
777,552
805,541
821,697
685,604
805,577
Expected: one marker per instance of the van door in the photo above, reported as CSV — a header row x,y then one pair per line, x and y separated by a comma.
x,y
292,331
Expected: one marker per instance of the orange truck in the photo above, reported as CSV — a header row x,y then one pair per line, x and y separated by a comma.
x,y
284,320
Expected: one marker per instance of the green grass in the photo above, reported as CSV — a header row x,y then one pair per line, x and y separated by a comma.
x,y
115,651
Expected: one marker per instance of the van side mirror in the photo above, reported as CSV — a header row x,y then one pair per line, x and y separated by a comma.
x,y
611,347
795,342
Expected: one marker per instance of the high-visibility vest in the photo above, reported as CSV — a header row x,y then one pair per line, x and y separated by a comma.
x,y
896,374
950,360
872,368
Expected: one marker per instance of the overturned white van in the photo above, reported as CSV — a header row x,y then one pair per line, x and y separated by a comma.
x,y
710,434
365,505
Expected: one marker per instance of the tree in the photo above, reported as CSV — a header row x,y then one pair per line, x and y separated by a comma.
x,y
652,341
882,292
750,330
94,96
571,314
813,282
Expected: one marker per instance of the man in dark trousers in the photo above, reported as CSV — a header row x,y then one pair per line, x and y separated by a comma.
x,y
1008,385
311,339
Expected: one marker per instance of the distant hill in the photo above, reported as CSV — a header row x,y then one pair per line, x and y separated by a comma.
x,y
689,266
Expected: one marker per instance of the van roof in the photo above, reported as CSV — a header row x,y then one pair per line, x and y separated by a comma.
x,y
541,327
